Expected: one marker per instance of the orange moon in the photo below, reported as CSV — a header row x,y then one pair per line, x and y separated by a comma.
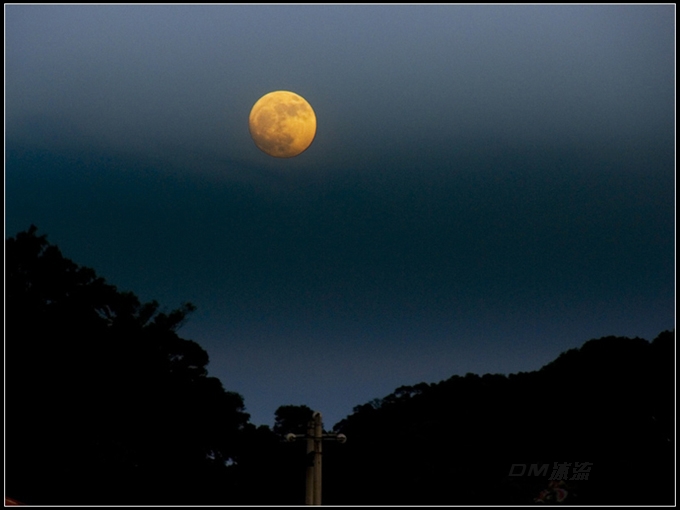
x,y
282,124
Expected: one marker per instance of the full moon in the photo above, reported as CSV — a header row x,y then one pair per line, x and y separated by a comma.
x,y
282,124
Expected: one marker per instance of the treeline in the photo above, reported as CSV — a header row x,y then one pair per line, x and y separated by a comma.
x,y
107,404
609,404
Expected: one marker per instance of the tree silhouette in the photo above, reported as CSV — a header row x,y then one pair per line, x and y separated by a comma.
x,y
610,403
292,419
105,403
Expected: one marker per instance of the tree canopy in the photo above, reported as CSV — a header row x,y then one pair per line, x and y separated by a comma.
x,y
103,395
107,404
609,403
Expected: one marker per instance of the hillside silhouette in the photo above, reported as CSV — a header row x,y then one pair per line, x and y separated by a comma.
x,y
609,403
107,404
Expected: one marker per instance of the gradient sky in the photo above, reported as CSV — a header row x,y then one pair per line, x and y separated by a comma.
x,y
488,187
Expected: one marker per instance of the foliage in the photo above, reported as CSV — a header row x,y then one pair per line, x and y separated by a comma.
x,y
105,402
609,403
292,419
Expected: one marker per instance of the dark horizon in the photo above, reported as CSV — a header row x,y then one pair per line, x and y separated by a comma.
x,y
104,383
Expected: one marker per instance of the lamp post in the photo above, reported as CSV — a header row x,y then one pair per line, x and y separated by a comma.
x,y
314,437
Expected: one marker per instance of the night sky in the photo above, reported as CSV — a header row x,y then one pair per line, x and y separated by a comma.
x,y
489,185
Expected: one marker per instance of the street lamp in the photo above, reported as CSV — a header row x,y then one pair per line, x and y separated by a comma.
x,y
314,437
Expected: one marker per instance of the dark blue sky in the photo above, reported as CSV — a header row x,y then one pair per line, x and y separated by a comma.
x,y
489,185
